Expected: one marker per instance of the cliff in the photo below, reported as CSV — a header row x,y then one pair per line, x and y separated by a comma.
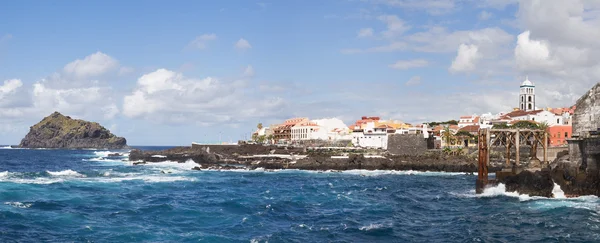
x,y
59,131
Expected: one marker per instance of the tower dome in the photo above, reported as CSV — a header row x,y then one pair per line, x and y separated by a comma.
x,y
527,83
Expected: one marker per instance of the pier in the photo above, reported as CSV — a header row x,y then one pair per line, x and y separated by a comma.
x,y
507,138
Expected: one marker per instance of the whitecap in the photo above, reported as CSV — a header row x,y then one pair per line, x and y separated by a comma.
x,y
399,172
145,178
102,159
4,174
6,147
186,166
65,173
535,202
373,226
18,204
158,156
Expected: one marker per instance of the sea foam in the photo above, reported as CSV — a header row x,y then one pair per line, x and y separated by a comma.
x,y
65,173
18,204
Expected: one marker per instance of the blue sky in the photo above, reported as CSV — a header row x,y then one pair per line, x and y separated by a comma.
x,y
164,73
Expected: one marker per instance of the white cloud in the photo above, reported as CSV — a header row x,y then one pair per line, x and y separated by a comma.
x,y
408,64
249,71
168,97
10,86
532,54
439,39
92,65
415,80
465,59
485,15
365,32
82,102
431,6
11,94
499,4
70,91
573,22
395,26
242,44
202,41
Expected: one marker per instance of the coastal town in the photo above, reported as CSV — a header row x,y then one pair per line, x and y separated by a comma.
x,y
374,131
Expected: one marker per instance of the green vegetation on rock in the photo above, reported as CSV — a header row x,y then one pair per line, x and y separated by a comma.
x,y
59,131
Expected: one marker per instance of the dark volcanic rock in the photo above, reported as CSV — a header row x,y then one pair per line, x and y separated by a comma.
x,y
430,162
575,181
179,154
537,183
59,131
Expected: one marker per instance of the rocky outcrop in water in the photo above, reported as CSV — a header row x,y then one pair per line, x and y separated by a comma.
x,y
59,131
178,154
537,183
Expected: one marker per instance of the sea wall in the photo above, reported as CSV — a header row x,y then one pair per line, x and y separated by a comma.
x,y
408,144
552,152
587,114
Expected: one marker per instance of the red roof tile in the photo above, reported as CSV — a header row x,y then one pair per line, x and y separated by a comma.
x,y
470,128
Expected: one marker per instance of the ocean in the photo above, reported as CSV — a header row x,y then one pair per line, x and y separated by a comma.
x,y
83,196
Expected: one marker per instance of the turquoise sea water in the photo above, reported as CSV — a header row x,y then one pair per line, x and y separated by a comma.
x,y
80,196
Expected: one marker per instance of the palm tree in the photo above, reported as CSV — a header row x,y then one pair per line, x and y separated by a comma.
x,y
259,126
447,135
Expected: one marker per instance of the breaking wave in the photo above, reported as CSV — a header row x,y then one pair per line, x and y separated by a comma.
x,y
65,173
18,204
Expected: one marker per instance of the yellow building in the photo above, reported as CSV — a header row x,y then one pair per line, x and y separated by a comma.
x,y
393,123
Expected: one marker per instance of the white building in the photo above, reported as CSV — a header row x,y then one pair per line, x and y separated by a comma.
x,y
546,117
539,116
371,136
527,96
485,120
334,128
307,131
468,120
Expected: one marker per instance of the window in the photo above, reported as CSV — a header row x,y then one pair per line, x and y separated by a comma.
x,y
522,98
529,98
558,134
566,134
533,118
530,105
557,121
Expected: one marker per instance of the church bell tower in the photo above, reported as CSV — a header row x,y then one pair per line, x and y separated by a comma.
x,y
527,96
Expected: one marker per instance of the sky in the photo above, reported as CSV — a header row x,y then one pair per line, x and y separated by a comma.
x,y
172,73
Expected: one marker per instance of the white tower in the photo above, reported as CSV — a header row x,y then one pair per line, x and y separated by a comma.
x,y
527,96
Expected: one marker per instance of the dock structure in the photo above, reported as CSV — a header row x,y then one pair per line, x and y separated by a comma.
x,y
508,138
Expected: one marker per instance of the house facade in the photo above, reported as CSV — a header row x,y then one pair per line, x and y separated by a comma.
x,y
371,136
283,132
559,134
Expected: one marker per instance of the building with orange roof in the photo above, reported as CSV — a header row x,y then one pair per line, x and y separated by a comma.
x,y
362,123
371,136
284,131
307,130
468,120
559,134
393,123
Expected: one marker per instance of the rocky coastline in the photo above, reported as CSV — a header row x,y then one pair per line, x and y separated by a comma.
x,y
274,157
574,179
